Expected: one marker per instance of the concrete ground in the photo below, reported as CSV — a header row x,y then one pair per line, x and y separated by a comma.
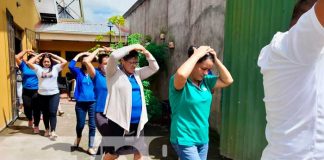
x,y
18,141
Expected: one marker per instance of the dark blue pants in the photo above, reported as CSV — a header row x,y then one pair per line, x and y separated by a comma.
x,y
48,104
81,109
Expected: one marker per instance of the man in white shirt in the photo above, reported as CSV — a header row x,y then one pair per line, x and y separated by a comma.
x,y
293,77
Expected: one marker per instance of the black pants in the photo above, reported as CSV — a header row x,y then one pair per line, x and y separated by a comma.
x,y
31,108
116,132
48,104
102,123
102,126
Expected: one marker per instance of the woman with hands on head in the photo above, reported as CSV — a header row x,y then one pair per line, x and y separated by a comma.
x,y
98,76
190,94
30,87
85,100
126,107
48,93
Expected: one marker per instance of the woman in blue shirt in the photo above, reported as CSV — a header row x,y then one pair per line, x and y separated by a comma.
x,y
85,100
98,76
30,87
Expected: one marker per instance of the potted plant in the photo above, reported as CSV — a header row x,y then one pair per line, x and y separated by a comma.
x,y
171,43
147,39
163,32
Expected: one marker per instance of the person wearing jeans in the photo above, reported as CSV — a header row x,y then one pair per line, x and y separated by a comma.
x,y
190,94
48,93
98,76
85,101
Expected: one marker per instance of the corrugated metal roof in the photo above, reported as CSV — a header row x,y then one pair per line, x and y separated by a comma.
x,y
76,28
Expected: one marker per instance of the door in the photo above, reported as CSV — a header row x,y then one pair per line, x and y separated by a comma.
x,y
12,65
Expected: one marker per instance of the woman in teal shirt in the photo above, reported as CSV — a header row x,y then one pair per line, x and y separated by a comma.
x,y
190,94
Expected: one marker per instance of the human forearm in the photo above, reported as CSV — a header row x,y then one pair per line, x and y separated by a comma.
x,y
62,60
224,74
88,64
32,61
21,54
79,55
92,55
186,68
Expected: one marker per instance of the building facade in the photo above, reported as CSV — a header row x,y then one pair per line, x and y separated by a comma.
x,y
18,20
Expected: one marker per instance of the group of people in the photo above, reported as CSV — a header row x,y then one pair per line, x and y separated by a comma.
x,y
40,89
122,112
113,96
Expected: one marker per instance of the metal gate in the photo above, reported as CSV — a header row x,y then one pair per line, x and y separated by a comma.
x,y
249,25
12,65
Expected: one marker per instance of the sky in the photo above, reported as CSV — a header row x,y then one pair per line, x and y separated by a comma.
x,y
98,11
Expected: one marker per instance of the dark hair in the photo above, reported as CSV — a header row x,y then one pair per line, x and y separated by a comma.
x,y
205,57
80,59
30,56
191,50
50,58
301,7
102,56
131,54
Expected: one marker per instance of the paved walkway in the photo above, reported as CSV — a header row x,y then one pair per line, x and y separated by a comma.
x,y
19,142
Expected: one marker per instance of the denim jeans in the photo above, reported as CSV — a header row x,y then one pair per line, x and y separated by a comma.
x,y
81,109
48,105
196,152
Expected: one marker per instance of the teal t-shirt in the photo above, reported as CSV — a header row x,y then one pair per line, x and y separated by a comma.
x,y
190,109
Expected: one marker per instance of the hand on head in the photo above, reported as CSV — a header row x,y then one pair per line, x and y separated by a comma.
x,y
201,51
107,49
141,49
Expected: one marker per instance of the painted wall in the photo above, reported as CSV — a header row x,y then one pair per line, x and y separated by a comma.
x,y
25,17
63,46
190,22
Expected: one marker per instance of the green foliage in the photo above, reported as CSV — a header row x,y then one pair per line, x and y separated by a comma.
x,y
117,45
159,52
112,33
118,21
99,38
94,48
147,39
135,38
154,107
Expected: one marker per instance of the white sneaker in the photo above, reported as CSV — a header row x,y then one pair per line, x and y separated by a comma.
x,y
53,136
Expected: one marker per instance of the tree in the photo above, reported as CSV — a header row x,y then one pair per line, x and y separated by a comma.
x,y
118,21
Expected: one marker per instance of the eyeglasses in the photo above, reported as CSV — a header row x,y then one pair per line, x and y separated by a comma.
x,y
135,63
